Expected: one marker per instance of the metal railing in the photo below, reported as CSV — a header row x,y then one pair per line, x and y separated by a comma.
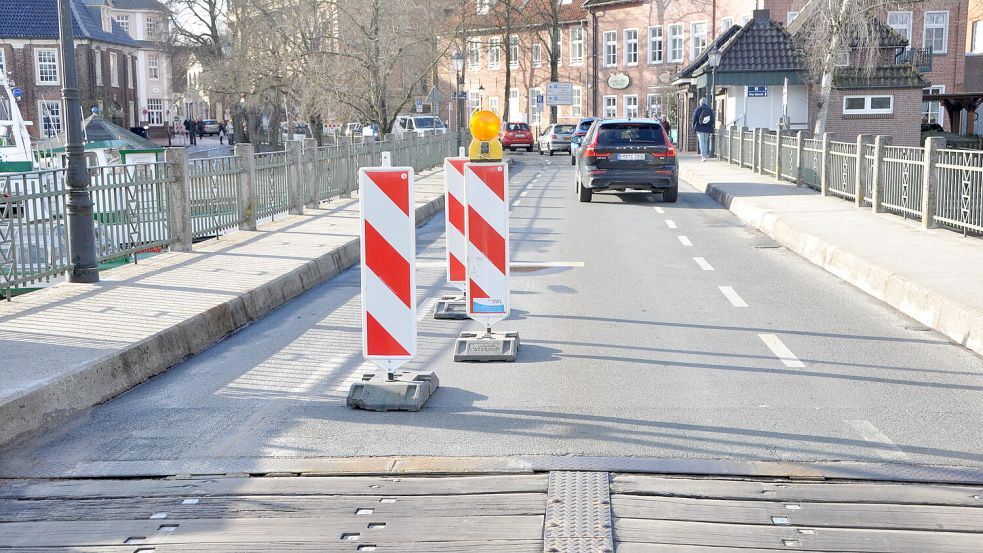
x,y
960,193
940,187
902,171
170,204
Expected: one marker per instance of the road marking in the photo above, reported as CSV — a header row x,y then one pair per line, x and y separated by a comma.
x,y
515,203
659,210
685,241
538,264
781,351
870,433
523,194
670,223
732,296
703,264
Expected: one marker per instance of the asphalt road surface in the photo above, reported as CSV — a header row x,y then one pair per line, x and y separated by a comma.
x,y
652,330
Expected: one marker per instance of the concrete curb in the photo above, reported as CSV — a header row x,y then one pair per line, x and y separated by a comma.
x,y
106,378
960,323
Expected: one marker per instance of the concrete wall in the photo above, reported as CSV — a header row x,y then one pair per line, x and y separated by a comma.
x,y
903,126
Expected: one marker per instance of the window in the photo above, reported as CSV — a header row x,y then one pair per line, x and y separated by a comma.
x,y
493,104
123,21
576,107
129,71
631,46
655,45
132,110
631,106
113,70
47,65
610,48
576,46
936,32
932,111
494,53
515,106
97,60
474,54
698,38
977,37
610,106
790,17
514,51
537,55
484,7
3,61
153,67
49,111
155,112
676,43
745,19
726,23
474,99
900,22
559,46
151,27
866,105
653,105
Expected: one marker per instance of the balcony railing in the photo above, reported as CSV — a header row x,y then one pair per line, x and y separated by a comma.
x,y
920,58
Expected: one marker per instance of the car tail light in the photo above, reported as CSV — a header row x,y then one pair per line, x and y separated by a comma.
x,y
589,150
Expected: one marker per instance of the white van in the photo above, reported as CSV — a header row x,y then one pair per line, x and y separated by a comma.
x,y
419,124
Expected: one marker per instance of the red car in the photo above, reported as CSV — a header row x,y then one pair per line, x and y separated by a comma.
x,y
516,135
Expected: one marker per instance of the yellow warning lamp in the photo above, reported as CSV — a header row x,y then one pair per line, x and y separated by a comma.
x,y
484,127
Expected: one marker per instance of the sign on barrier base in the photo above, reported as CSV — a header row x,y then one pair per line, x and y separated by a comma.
x,y
484,347
451,307
408,391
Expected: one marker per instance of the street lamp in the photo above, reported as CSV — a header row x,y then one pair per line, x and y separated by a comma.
x,y
713,60
457,60
481,96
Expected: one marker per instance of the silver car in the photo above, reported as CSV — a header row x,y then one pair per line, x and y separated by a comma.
x,y
556,138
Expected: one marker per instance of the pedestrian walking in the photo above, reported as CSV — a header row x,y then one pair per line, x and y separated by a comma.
x,y
189,130
200,128
230,130
221,132
703,125
666,126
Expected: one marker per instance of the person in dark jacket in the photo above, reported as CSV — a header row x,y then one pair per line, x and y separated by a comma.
x,y
703,125
667,126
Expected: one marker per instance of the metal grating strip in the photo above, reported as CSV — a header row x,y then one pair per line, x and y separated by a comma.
x,y
578,513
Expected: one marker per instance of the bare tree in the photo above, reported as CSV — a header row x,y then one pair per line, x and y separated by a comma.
x,y
836,33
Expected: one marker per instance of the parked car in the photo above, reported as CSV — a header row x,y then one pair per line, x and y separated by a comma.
x,y
419,124
372,130
578,137
556,138
627,154
516,135
300,132
210,126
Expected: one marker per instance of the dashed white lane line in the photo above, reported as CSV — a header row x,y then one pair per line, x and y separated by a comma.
x,y
685,241
670,223
732,296
706,266
659,210
781,351
515,203
887,450
523,194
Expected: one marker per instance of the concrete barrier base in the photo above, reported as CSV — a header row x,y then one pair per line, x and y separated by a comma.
x,y
451,307
484,347
408,391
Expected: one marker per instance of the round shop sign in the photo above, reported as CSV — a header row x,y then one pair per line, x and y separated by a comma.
x,y
618,81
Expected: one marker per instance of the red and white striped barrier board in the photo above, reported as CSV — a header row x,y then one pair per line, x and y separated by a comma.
x,y
487,233
454,209
388,265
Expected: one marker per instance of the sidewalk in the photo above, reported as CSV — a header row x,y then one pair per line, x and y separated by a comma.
x,y
932,276
71,346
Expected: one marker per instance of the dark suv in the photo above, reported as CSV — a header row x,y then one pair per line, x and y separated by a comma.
x,y
627,154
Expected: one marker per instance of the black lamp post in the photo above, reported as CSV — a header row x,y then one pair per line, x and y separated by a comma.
x,y
79,206
457,59
713,60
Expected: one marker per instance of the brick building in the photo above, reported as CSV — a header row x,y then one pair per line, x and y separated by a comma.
x,y
106,61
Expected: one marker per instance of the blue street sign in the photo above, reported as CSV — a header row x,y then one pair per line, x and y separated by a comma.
x,y
757,91
17,93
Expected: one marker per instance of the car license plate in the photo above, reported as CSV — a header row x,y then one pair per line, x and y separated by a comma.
x,y
631,157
